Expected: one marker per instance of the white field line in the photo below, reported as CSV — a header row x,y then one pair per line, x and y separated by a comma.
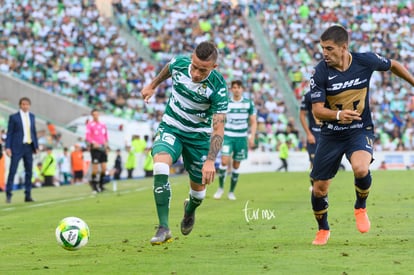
x,y
74,199
78,198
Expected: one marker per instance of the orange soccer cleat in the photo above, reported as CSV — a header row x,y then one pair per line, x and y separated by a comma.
x,y
362,220
322,237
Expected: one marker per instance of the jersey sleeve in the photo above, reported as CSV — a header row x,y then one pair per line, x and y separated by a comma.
x,y
252,110
376,61
219,99
177,61
318,84
303,103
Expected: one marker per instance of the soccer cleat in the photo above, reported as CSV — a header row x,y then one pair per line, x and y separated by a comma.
x,y
94,186
29,199
231,196
188,221
218,194
362,220
163,235
322,237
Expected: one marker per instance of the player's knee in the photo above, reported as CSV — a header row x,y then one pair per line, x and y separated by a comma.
x,y
320,188
236,165
360,171
319,193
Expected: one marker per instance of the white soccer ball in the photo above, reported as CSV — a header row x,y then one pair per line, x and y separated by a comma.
x,y
72,233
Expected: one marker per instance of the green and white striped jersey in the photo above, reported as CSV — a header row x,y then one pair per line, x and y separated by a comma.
x,y
237,117
191,105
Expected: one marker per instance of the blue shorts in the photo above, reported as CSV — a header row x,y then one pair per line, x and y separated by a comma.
x,y
331,149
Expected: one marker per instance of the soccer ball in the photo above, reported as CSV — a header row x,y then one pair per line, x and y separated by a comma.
x,y
72,233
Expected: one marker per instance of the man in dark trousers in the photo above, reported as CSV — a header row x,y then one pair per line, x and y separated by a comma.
x,y
21,143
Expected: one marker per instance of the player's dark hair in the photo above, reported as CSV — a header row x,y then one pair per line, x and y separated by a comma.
x,y
336,33
24,99
236,82
206,51
94,110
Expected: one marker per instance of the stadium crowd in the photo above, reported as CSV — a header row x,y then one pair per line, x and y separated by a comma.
x,y
383,27
66,47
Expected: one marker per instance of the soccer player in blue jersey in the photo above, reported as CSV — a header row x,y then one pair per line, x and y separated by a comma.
x,y
310,124
340,99
192,126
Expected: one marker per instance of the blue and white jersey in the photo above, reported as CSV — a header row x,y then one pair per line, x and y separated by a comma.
x,y
347,90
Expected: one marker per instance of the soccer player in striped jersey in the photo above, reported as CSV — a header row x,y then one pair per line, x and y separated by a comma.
x,y
340,99
240,115
192,126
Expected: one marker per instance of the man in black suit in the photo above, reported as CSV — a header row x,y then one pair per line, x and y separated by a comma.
x,y
21,142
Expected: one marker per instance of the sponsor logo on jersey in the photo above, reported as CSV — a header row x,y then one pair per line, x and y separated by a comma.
x,y
222,92
346,84
316,94
202,89
168,138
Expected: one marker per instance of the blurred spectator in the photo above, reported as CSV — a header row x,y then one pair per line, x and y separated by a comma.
x,y
64,162
131,162
37,178
52,131
148,163
77,164
48,170
118,165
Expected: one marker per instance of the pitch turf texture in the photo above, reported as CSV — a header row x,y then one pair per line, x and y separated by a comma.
x,y
273,236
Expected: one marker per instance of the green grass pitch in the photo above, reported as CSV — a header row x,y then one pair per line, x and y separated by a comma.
x,y
267,230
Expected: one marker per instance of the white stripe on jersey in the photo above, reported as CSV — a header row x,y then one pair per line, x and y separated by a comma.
x,y
188,103
189,84
171,121
234,134
238,116
183,114
239,105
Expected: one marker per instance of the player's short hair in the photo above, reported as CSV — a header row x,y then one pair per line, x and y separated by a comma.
x,y
336,33
206,51
236,82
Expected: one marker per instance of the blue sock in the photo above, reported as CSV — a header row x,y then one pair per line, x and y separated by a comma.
x,y
362,186
320,210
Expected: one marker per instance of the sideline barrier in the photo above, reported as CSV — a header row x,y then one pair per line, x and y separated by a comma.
x,y
256,162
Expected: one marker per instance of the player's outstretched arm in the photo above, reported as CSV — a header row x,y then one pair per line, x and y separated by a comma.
x,y
253,129
209,170
399,70
149,90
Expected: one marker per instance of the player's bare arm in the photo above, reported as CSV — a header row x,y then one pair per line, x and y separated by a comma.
x,y
302,117
209,170
217,136
399,70
325,114
149,90
253,129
